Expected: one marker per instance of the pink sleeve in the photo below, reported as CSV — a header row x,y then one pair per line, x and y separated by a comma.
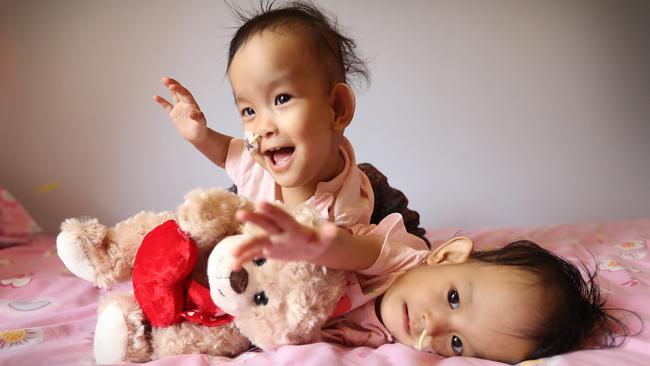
x,y
400,251
354,201
234,160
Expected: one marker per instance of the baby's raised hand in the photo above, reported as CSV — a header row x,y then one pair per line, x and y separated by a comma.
x,y
285,238
185,112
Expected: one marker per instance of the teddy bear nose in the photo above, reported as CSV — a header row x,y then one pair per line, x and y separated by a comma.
x,y
239,280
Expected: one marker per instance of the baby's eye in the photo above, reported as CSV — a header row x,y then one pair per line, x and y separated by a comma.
x,y
453,298
259,261
457,345
282,98
247,112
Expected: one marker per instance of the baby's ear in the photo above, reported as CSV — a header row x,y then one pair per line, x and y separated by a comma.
x,y
343,103
456,250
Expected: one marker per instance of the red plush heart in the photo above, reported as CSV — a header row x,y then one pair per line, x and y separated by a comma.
x,y
161,273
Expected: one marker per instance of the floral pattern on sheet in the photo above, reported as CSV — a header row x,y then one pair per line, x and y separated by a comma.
x,y
28,305
634,282
14,338
20,281
632,249
13,308
613,265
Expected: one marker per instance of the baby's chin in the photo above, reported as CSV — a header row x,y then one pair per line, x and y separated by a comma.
x,y
404,339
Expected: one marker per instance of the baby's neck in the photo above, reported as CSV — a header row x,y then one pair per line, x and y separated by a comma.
x,y
297,195
293,196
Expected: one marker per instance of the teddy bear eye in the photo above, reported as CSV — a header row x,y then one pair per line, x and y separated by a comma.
x,y
260,298
259,261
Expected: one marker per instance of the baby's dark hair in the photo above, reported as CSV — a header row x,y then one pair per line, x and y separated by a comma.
x,y
337,51
573,315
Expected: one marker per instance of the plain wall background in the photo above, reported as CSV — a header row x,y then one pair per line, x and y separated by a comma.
x,y
485,113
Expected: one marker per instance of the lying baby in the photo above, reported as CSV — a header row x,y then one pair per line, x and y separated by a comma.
x,y
509,304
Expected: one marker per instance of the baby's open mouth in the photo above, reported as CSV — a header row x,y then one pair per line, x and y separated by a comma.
x,y
280,156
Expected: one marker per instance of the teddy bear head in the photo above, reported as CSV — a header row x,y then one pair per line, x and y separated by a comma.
x,y
273,302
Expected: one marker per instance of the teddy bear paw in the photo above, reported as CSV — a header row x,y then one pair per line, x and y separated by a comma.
x,y
111,336
70,250
81,247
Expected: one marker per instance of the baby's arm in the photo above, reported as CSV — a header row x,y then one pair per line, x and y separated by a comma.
x,y
286,239
191,123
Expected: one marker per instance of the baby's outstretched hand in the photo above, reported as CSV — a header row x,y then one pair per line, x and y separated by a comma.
x,y
285,238
185,112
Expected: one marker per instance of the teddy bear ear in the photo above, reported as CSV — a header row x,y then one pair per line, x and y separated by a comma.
x,y
207,215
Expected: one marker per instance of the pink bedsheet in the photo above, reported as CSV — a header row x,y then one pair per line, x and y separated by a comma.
x,y
47,315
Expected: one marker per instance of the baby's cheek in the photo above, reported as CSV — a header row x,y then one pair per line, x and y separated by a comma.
x,y
440,347
259,159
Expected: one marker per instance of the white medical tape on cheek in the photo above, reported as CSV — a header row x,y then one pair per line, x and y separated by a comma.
x,y
251,141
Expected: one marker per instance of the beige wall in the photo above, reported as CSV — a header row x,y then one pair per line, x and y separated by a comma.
x,y
486,113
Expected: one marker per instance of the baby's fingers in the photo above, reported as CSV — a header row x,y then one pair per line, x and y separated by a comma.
x,y
255,248
179,91
163,103
280,217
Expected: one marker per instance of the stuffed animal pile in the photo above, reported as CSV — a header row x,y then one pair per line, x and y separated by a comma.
x,y
181,301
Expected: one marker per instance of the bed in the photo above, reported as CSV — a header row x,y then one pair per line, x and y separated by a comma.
x,y
47,315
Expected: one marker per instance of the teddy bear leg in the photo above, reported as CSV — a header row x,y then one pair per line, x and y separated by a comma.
x,y
187,337
120,333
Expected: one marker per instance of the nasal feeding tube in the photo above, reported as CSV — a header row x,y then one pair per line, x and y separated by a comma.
x,y
251,141
424,342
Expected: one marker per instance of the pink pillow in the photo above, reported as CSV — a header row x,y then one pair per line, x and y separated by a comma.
x,y
16,225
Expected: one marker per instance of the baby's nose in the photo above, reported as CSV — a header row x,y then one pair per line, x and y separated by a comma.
x,y
433,324
239,281
265,125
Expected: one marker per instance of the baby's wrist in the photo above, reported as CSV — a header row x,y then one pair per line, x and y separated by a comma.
x,y
200,138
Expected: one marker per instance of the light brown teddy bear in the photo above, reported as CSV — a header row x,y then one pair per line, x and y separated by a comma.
x,y
170,311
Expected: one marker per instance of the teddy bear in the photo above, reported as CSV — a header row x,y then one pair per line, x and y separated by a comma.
x,y
170,310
